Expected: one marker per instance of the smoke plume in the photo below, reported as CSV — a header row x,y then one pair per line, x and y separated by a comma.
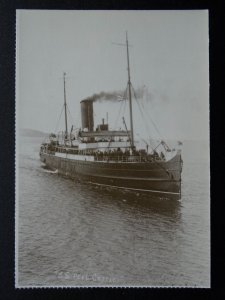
x,y
105,96
116,95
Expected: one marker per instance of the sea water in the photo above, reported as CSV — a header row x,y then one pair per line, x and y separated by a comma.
x,y
70,233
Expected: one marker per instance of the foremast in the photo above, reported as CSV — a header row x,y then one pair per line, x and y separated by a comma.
x,y
65,106
130,97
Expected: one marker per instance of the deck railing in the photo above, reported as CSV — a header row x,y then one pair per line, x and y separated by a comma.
x,y
116,158
125,159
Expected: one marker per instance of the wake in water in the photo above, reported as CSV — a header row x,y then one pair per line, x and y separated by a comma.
x,y
47,170
51,172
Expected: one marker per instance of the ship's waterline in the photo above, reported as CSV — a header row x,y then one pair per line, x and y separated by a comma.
x,y
155,177
110,157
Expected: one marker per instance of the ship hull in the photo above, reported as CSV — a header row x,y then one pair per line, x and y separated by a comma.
x,y
158,178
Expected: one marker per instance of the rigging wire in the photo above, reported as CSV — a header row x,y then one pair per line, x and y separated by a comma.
x,y
122,104
167,172
57,124
142,112
143,116
149,115
156,128
116,121
70,115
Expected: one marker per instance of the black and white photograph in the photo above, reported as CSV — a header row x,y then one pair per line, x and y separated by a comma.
x,y
112,148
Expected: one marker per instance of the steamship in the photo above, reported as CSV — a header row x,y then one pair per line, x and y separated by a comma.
x,y
110,158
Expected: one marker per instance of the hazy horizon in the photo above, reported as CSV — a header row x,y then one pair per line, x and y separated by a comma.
x,y
175,140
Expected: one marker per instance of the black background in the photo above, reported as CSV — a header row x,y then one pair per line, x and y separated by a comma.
x,y
7,151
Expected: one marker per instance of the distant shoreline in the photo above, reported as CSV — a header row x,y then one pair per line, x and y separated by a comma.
x,y
32,133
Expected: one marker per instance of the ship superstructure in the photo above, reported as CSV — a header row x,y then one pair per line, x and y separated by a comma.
x,y
110,157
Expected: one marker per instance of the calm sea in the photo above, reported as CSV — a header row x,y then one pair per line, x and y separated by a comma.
x,y
75,234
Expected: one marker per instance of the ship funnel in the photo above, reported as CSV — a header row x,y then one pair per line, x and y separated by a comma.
x,y
87,114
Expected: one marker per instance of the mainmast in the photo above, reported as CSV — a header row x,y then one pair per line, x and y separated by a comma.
x,y
129,95
65,106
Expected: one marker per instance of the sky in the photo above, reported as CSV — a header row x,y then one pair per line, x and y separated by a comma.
x,y
169,62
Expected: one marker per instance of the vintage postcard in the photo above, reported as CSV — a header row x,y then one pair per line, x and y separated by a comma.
x,y
112,149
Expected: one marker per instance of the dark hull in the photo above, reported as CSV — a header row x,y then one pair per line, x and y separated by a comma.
x,y
158,178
